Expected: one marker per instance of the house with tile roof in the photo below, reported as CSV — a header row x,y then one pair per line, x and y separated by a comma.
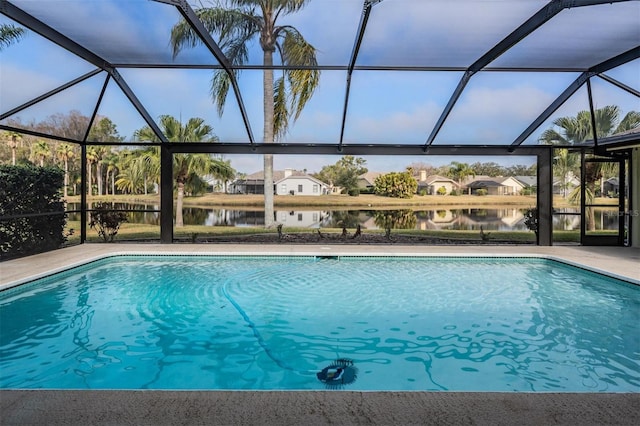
x,y
285,182
431,185
495,185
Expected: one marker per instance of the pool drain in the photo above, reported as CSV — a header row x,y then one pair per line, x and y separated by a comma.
x,y
339,373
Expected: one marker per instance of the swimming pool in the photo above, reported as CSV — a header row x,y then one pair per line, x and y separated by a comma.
x,y
238,322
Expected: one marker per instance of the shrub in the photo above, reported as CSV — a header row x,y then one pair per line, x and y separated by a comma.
x,y
106,221
397,185
353,192
531,220
454,192
442,191
482,192
32,211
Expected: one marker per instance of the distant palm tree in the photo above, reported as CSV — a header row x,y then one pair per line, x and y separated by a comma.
x,y
65,152
41,151
92,158
111,162
13,140
236,26
129,180
10,34
460,171
184,165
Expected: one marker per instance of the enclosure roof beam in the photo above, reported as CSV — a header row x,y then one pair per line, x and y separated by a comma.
x,y
50,93
198,27
568,92
362,26
351,149
34,24
530,25
38,134
616,61
602,67
619,84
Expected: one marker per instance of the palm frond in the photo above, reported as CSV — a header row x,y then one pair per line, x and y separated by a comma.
x,y
280,108
630,121
552,137
297,51
10,34
220,84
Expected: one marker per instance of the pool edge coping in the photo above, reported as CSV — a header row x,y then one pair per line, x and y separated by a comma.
x,y
94,258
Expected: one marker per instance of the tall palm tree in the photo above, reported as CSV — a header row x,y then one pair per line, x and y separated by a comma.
x,y
13,140
236,23
92,158
41,151
573,130
111,161
10,34
101,152
65,152
565,163
185,165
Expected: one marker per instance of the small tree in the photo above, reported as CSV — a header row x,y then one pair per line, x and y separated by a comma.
x,y
106,221
442,191
397,185
344,173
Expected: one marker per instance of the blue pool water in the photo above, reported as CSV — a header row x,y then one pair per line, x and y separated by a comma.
x,y
434,324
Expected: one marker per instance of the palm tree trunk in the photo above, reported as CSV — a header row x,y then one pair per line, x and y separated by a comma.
x,y
113,182
13,156
179,221
99,176
268,138
66,176
89,178
591,217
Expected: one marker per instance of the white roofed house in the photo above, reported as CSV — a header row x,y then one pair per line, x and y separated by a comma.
x,y
529,183
431,185
293,182
496,185
286,182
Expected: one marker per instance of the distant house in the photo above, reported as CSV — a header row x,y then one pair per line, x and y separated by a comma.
x,y
529,183
496,185
611,187
299,183
285,182
367,180
432,184
564,186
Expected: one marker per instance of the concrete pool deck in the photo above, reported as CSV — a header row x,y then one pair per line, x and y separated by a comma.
x,y
62,407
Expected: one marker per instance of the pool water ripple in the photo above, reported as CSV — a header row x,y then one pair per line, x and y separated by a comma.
x,y
265,323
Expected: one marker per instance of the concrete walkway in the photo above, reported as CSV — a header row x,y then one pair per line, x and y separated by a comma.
x,y
56,407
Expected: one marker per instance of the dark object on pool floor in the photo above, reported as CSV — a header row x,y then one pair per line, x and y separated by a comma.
x,y
341,372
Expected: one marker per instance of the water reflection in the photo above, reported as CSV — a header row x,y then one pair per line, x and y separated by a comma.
x,y
490,218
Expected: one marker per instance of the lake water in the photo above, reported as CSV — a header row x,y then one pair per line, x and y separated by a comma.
x,y
491,218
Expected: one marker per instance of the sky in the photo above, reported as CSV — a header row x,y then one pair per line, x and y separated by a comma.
x,y
384,106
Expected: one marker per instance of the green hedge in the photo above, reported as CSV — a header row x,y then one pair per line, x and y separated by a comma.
x,y
32,217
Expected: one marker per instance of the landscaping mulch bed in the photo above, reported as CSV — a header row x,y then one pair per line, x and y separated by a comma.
x,y
350,238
